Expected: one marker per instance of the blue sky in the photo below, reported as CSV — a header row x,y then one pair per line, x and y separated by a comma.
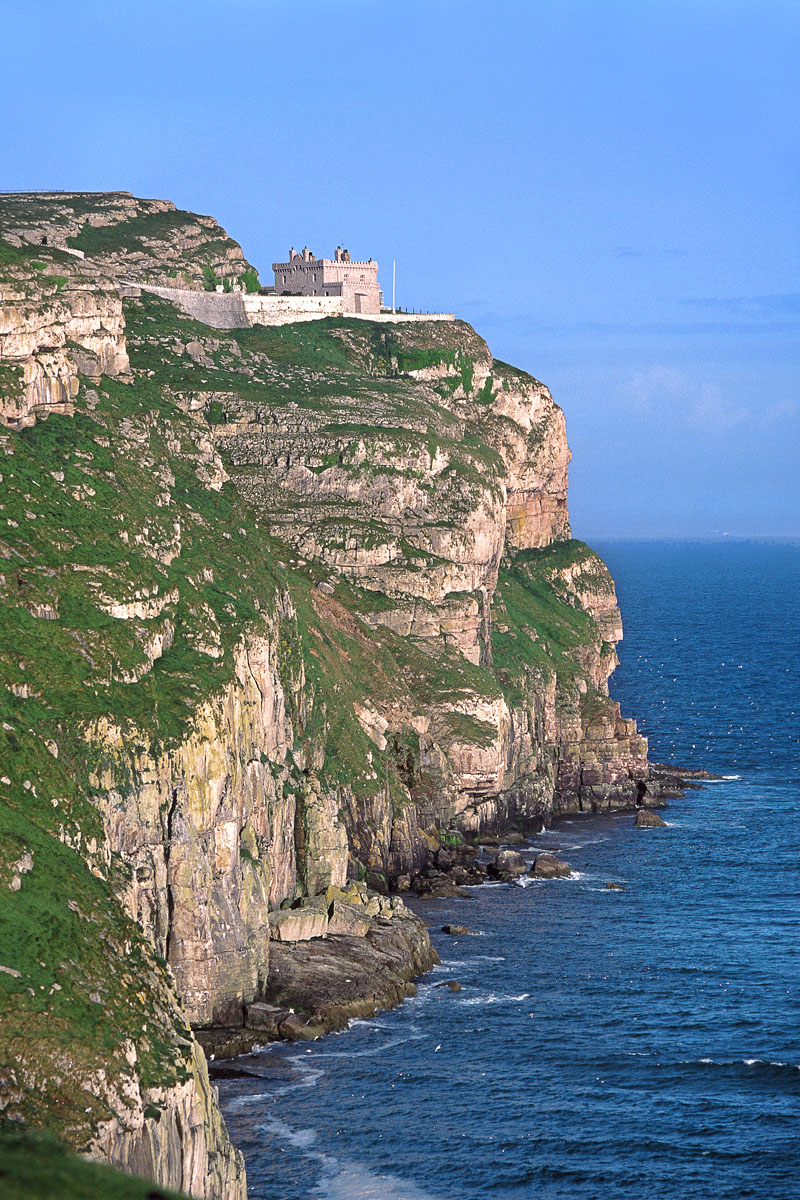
x,y
608,191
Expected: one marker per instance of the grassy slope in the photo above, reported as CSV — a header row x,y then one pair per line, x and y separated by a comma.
x,y
38,1167
191,249
131,464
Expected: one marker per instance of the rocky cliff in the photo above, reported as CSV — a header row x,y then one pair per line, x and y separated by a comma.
x,y
281,609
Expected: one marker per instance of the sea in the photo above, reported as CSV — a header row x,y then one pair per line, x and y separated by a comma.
x,y
640,1044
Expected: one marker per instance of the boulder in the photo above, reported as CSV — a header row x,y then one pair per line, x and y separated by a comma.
x,y
298,924
265,1017
645,819
508,863
452,985
547,866
614,887
350,919
458,930
296,1028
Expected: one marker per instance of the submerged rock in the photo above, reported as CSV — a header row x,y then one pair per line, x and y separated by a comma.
x,y
459,931
547,866
645,819
452,985
615,887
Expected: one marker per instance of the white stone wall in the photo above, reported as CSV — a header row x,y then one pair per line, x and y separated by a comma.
x,y
283,310
220,310
238,310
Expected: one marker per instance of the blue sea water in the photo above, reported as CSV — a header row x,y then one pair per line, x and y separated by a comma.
x,y
605,1044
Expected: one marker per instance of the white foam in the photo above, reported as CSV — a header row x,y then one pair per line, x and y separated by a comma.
x,y
352,1181
309,1076
492,998
413,1035
343,1180
745,1062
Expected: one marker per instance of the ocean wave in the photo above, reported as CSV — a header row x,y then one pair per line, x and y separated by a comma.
x,y
493,998
764,1066
308,1076
413,1035
340,1180
353,1180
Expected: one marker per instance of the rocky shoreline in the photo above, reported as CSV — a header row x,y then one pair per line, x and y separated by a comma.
x,y
353,952
317,985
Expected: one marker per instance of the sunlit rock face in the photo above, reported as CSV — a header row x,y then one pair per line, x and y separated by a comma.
x,y
290,608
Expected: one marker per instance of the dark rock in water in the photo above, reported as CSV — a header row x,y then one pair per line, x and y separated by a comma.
x,y
511,837
451,869
508,864
615,887
648,820
458,930
436,885
547,866
670,782
452,985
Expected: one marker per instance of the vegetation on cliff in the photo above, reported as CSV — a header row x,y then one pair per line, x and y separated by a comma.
x,y
278,606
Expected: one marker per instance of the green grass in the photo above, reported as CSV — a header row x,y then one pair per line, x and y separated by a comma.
x,y
136,233
110,506
39,1167
537,629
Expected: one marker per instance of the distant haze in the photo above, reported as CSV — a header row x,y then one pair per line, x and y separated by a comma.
x,y
606,190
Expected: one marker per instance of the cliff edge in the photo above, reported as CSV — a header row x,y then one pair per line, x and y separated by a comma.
x,y
283,609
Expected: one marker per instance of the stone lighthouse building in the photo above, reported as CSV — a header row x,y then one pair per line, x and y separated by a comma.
x,y
355,282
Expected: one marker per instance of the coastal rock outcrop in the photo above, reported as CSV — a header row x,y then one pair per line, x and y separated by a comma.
x,y
649,820
508,864
294,615
548,866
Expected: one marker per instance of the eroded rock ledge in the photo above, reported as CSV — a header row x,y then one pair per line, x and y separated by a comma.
x,y
316,986
313,614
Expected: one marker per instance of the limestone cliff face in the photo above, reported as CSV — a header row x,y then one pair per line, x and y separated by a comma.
x,y
280,608
208,831
66,326
187,1148
125,236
